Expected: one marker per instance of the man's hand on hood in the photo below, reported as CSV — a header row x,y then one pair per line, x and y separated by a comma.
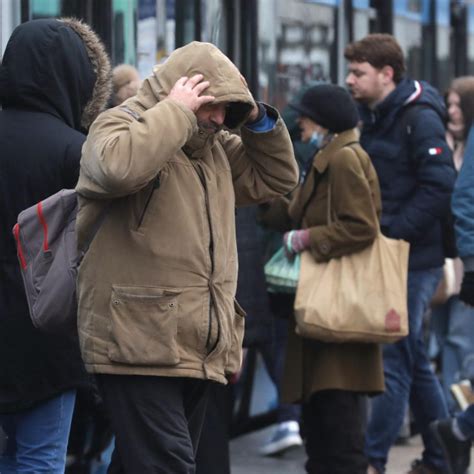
x,y
254,114
188,92
256,111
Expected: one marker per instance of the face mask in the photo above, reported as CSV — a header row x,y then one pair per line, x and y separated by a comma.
x,y
316,139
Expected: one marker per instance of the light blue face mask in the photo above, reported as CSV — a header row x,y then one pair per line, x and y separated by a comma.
x,y
317,139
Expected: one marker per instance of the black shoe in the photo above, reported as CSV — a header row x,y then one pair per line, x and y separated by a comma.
x,y
419,467
457,453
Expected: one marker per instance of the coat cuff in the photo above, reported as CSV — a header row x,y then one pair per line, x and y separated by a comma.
x,y
320,244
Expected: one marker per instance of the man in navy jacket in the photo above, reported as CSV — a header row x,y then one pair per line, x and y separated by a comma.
x,y
403,132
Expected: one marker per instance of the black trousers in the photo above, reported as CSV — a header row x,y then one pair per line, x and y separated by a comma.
x,y
334,426
213,455
157,422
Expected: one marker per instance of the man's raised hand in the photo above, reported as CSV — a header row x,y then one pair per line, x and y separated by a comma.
x,y
188,92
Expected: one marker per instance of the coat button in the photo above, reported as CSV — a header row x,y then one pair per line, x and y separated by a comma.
x,y
324,247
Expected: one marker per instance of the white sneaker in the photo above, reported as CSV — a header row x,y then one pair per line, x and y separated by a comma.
x,y
286,436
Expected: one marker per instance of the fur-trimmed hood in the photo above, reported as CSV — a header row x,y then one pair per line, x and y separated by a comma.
x,y
58,67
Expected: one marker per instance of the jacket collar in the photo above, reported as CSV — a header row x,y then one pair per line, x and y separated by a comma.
x,y
321,160
199,144
320,164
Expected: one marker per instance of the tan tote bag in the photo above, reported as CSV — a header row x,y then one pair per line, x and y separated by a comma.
x,y
360,297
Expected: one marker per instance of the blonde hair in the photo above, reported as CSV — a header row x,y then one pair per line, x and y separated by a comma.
x,y
122,76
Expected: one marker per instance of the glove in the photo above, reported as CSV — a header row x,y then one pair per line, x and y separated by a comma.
x,y
467,289
296,241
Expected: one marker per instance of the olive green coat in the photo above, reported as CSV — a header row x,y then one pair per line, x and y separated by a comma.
x,y
345,168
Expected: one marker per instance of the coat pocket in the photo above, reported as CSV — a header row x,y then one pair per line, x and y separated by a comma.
x,y
234,356
143,326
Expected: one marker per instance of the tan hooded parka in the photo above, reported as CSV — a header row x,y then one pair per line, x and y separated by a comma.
x,y
156,287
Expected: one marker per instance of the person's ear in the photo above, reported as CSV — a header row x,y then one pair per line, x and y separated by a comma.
x,y
387,73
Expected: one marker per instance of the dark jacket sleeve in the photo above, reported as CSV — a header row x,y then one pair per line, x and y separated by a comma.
x,y
274,214
71,163
435,177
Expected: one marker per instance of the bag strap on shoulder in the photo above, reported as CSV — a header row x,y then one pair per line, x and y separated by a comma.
x,y
329,210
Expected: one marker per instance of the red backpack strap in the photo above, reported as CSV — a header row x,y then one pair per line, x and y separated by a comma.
x,y
21,256
39,210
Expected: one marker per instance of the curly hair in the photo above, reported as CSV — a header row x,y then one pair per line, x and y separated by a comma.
x,y
378,50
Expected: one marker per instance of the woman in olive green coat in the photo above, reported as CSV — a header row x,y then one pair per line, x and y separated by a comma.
x,y
331,379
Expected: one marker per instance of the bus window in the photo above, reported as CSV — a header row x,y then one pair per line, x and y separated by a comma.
x,y
10,17
361,16
45,9
444,69
470,39
409,18
124,34
188,21
214,24
147,37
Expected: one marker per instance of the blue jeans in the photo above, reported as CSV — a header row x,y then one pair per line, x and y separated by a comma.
x,y
452,325
37,438
408,378
466,422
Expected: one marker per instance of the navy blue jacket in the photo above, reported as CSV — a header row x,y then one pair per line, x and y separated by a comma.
x,y
463,206
415,168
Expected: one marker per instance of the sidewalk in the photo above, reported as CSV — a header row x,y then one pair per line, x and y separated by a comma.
x,y
244,450
245,459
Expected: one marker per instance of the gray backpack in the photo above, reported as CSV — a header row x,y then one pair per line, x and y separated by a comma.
x,y
47,251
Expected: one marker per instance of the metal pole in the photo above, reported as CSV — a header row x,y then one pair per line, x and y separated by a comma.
x,y
25,10
341,43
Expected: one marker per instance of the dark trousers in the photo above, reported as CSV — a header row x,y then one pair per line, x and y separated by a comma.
x,y
157,422
213,453
335,433
273,353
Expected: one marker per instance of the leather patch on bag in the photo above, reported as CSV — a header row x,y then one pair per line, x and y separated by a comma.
x,y
392,321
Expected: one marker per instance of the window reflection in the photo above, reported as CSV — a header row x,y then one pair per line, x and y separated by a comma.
x,y
296,46
214,21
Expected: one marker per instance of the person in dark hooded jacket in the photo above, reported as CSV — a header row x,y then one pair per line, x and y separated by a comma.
x,y
54,81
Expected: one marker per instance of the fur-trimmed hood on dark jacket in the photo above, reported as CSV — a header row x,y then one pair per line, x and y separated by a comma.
x,y
59,67
54,81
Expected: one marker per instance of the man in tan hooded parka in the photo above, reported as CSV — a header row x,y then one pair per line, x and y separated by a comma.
x,y
157,315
